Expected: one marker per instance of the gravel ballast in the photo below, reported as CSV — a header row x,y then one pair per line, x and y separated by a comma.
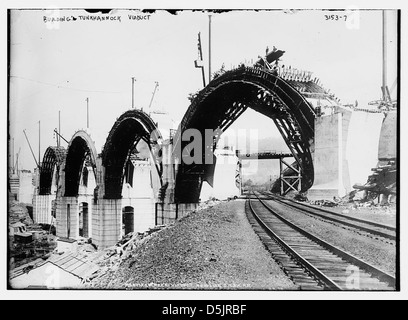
x,y
378,253
211,249
381,214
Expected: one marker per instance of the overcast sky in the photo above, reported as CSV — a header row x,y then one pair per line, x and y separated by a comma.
x,y
57,66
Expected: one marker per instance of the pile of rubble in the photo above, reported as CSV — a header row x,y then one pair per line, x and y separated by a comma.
x,y
358,198
208,204
379,190
382,184
28,241
41,246
109,259
18,212
213,249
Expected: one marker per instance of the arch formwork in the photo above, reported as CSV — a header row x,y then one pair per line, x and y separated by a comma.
x,y
53,160
80,148
131,127
219,104
127,131
48,184
81,153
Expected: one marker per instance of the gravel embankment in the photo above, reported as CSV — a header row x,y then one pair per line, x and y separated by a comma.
x,y
211,249
375,252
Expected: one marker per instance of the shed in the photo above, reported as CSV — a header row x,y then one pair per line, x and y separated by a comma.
x,y
45,276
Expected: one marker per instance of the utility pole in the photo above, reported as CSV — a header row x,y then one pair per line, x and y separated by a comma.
x,y
12,157
87,113
209,49
384,53
39,142
17,155
133,98
59,128
384,75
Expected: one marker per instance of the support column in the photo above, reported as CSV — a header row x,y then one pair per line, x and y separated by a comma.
x,y
67,217
331,172
90,218
107,222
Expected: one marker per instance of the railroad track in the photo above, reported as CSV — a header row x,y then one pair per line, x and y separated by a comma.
x,y
369,227
312,263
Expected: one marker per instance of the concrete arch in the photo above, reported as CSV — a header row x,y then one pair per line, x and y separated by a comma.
x,y
224,99
127,131
53,159
80,147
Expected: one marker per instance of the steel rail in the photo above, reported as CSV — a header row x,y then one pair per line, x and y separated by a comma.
x,y
376,224
349,224
305,264
381,275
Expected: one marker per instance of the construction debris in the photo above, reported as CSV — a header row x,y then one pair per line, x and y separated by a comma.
x,y
324,203
381,184
210,249
379,190
28,241
300,197
112,257
18,212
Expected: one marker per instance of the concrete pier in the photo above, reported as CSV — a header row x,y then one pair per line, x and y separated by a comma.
x,y
331,168
67,217
346,148
106,220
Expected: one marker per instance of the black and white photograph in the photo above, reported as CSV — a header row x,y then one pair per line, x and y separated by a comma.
x,y
203,150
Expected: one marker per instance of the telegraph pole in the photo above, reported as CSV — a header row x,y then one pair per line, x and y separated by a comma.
x,y
16,164
384,75
39,142
12,157
209,49
133,89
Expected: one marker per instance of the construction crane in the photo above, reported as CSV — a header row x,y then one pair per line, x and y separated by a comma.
x,y
199,62
154,92
32,152
151,100
59,135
